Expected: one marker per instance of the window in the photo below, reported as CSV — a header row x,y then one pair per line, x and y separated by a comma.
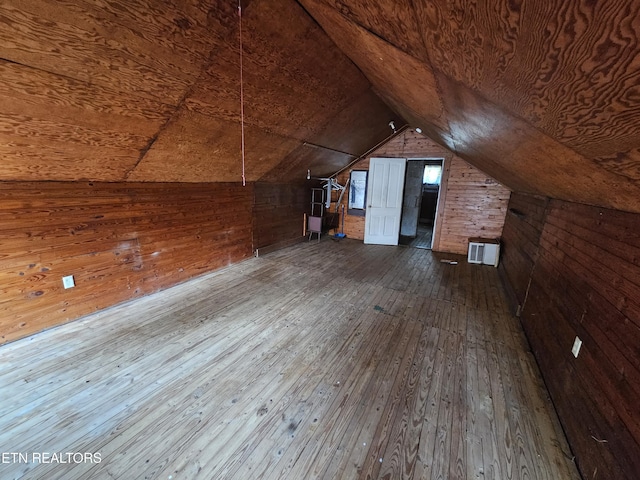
x,y
432,175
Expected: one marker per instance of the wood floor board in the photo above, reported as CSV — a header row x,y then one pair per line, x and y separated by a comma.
x,y
151,360
487,432
323,360
365,425
247,385
402,448
142,390
315,380
355,384
501,412
433,387
370,371
155,337
389,396
324,389
215,429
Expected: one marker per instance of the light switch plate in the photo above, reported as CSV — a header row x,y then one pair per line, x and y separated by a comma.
x,y
68,282
577,343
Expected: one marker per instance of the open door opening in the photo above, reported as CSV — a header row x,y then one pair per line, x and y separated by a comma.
x,y
420,202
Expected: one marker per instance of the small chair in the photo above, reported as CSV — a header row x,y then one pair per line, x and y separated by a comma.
x,y
315,226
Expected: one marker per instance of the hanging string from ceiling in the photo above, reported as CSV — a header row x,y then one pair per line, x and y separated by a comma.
x,y
244,181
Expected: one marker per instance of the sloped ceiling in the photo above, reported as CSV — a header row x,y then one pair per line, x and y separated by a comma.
x,y
120,90
543,95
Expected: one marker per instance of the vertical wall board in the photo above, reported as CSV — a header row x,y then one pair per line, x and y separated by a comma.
x,y
475,206
119,241
278,212
525,219
576,270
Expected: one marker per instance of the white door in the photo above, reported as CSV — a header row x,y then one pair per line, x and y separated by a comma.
x,y
384,200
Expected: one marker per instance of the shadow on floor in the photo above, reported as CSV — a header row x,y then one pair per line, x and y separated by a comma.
x,y
421,240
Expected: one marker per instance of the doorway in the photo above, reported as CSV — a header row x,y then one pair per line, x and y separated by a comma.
x,y
420,202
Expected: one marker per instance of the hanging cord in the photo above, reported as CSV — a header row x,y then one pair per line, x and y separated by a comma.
x,y
244,181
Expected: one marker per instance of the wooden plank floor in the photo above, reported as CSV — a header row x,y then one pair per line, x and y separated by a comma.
x,y
421,240
332,360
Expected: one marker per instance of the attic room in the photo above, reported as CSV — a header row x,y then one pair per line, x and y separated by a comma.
x,y
166,312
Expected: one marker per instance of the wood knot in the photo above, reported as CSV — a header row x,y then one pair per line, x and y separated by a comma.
x,y
182,23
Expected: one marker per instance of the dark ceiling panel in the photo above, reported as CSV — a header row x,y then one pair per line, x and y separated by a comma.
x,y
518,155
320,162
356,118
542,95
570,69
64,39
471,42
286,90
125,90
194,147
395,21
402,77
626,164
298,87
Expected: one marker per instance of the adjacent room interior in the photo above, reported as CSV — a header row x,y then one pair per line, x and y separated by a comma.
x,y
320,239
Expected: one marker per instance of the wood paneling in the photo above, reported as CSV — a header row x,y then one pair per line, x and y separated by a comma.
x,y
585,283
626,163
475,206
518,154
289,98
278,213
567,68
526,216
540,95
71,41
395,21
193,147
75,102
53,127
408,81
110,91
307,158
471,203
119,240
410,144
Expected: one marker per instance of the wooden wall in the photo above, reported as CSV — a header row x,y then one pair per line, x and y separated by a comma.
x,y
278,213
585,282
119,240
472,204
408,144
520,239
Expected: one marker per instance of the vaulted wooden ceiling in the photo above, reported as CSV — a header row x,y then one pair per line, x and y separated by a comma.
x,y
150,91
543,95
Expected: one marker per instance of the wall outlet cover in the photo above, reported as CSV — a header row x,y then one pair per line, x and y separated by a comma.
x,y
68,282
577,343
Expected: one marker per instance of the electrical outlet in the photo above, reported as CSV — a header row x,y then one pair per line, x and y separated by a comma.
x,y
577,343
68,282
